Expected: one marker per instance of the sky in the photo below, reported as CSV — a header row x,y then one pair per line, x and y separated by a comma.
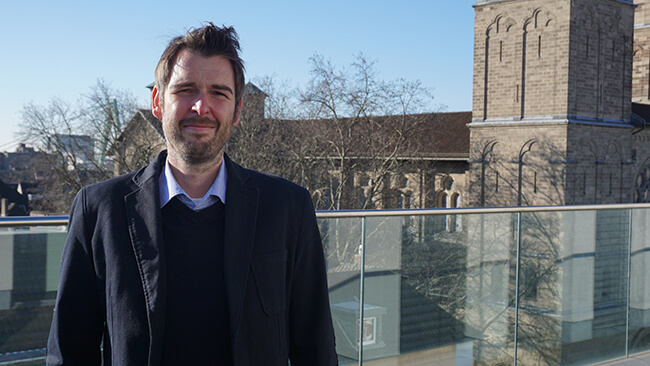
x,y
61,48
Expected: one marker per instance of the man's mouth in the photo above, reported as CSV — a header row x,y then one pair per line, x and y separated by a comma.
x,y
198,125
198,128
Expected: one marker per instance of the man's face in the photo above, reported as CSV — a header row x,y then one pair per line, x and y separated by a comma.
x,y
198,108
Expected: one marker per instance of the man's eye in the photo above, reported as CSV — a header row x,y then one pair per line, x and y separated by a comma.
x,y
183,91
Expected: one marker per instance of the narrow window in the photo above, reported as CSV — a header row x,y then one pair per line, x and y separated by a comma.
x,y
517,94
539,47
535,182
496,186
500,50
610,183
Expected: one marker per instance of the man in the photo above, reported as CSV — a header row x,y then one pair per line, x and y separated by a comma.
x,y
193,260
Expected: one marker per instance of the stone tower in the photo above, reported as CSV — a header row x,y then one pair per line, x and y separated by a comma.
x,y
551,106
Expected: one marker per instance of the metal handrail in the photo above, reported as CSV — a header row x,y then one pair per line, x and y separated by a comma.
x,y
14,221
472,211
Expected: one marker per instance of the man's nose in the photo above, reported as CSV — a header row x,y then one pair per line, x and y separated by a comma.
x,y
201,106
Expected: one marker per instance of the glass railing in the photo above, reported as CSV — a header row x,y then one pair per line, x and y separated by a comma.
x,y
503,286
30,257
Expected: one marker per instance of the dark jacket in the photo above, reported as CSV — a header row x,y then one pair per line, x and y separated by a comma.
x,y
112,280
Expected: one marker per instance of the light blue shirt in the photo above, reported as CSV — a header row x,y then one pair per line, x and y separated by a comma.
x,y
169,188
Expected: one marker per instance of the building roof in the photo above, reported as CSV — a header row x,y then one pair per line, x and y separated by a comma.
x,y
432,136
251,89
442,135
140,116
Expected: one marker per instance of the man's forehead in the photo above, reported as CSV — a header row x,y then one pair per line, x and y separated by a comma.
x,y
190,64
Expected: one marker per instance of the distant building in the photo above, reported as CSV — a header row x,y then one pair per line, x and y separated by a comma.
x,y
21,173
139,142
74,149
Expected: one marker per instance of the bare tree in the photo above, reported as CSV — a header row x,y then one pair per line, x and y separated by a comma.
x,y
354,129
76,138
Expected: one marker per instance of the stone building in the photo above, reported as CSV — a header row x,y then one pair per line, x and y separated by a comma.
x,y
552,113
561,89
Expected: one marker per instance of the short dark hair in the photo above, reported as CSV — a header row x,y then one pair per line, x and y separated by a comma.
x,y
206,41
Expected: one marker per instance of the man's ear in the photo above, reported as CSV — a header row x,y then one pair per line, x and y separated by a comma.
x,y
235,122
156,107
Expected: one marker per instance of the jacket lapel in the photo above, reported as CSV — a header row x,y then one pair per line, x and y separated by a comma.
x,y
145,228
240,222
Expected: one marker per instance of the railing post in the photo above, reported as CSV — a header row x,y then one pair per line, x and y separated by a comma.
x,y
362,287
517,269
629,284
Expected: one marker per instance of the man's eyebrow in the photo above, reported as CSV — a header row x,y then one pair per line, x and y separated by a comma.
x,y
222,87
183,85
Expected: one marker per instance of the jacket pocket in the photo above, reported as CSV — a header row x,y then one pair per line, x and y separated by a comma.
x,y
269,271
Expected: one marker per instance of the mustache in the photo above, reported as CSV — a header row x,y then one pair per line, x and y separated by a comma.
x,y
198,121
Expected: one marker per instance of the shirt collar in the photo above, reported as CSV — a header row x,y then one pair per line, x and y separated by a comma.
x,y
169,187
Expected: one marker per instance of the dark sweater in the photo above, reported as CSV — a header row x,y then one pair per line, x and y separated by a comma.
x,y
196,321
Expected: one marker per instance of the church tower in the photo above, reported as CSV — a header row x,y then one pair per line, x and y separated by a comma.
x,y
551,120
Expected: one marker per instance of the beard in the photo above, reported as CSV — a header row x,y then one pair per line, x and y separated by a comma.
x,y
199,150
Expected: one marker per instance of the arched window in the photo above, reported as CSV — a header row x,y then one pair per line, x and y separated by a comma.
x,y
442,199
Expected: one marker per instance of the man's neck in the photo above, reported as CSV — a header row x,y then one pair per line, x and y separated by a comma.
x,y
195,180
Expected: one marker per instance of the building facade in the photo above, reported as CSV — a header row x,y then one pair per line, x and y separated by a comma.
x,y
551,120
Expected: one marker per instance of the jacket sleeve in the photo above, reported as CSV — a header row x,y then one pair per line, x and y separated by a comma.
x,y
78,321
310,321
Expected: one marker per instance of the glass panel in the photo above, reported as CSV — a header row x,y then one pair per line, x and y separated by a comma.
x,y
539,328
639,337
488,312
342,243
29,269
573,287
382,279
433,293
